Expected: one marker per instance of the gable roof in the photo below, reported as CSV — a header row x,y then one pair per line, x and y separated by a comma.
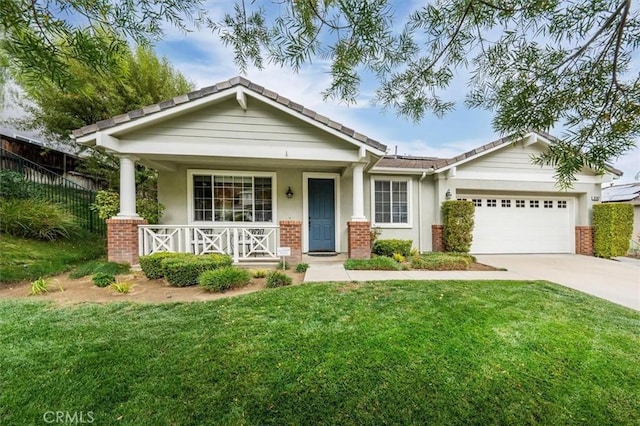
x,y
294,108
437,165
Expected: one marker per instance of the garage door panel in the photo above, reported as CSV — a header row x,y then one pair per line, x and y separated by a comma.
x,y
522,225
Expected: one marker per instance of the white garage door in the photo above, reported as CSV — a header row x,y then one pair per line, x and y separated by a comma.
x,y
512,224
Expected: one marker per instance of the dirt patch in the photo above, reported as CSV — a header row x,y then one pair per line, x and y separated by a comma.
x,y
65,290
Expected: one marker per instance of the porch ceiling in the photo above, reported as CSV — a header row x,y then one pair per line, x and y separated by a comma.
x,y
170,163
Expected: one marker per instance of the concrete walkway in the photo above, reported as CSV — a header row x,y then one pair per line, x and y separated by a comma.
x,y
618,282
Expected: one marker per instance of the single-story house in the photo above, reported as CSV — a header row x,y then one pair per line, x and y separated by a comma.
x,y
625,193
244,170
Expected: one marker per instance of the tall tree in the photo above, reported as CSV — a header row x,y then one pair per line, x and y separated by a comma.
x,y
536,63
39,37
137,78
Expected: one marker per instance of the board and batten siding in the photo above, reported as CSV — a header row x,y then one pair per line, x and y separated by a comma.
x,y
225,130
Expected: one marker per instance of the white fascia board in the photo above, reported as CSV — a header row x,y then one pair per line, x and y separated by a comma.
x,y
107,142
397,171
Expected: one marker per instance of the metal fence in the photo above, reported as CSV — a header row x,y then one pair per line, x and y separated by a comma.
x,y
55,188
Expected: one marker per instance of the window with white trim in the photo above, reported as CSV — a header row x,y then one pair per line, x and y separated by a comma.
x,y
391,201
232,197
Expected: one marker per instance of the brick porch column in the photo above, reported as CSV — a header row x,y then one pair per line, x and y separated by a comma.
x,y
291,236
122,240
437,238
359,239
584,240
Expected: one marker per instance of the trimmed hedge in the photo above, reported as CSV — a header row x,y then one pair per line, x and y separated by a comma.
x,y
185,270
613,223
151,264
442,261
457,218
389,247
223,279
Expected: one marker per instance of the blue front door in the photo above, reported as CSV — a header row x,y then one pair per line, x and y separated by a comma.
x,y
322,225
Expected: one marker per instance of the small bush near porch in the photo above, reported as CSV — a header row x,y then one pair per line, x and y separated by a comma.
x,y
181,269
376,353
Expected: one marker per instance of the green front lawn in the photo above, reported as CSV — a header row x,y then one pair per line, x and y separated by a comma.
x,y
25,259
394,352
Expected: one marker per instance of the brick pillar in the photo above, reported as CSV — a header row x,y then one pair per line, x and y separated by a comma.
x,y
122,240
584,240
359,240
437,237
291,236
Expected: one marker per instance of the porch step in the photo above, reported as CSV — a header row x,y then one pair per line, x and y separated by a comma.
x,y
336,258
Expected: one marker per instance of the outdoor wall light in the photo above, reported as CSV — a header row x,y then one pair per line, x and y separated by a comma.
x,y
447,194
289,193
595,198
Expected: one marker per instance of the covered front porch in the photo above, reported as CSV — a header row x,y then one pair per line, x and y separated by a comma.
x,y
266,209
243,171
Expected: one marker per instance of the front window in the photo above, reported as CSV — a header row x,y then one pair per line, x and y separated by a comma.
x,y
391,202
232,198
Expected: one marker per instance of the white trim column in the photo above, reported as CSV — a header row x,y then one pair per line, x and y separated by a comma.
x,y
358,193
127,188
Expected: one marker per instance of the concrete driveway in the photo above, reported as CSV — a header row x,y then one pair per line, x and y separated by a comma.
x,y
618,282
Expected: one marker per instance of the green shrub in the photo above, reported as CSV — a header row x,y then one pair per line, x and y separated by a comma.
x,y
388,247
102,279
378,263
225,278
121,287
398,257
259,273
39,286
613,224
37,219
278,279
442,261
14,185
302,267
95,266
151,264
282,265
457,218
184,271
107,204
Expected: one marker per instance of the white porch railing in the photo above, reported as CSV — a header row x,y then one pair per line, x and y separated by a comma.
x,y
243,243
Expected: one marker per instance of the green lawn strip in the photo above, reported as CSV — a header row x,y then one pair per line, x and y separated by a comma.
x,y
404,352
24,259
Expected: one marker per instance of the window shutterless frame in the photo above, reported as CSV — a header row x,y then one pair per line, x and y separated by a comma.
x,y
395,201
223,175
